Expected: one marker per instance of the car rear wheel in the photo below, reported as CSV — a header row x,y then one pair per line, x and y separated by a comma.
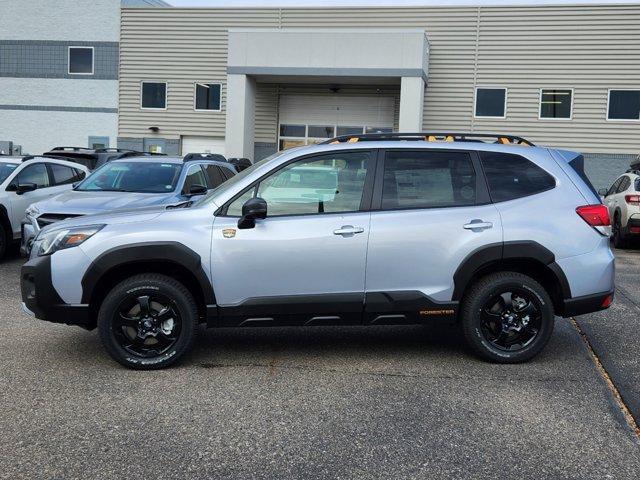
x,y
619,239
148,322
507,317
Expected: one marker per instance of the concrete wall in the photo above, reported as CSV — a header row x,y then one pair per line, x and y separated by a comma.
x,y
41,105
89,20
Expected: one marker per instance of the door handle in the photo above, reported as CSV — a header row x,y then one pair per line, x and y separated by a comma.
x,y
477,224
348,230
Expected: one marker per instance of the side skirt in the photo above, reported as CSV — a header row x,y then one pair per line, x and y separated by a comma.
x,y
373,308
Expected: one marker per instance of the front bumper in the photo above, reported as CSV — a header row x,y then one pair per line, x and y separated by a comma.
x,y
40,298
29,228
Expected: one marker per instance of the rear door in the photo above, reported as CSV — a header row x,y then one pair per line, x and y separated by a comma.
x,y
431,209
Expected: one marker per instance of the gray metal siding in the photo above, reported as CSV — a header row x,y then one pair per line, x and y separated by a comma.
x,y
588,48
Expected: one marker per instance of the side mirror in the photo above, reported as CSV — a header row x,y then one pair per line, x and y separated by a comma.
x,y
603,192
197,190
253,209
25,187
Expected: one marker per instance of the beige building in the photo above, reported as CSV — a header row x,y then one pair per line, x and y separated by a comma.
x,y
247,82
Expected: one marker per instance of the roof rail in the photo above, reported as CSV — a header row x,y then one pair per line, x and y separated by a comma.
x,y
26,158
433,137
190,157
113,150
71,149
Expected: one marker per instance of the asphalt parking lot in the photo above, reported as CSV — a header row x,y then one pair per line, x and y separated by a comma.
x,y
395,402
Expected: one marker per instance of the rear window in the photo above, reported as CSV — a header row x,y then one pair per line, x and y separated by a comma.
x,y
511,176
578,165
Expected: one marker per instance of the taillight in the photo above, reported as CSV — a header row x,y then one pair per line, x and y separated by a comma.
x,y
632,199
595,215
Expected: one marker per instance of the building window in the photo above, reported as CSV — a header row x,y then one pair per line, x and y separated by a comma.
x,y
154,95
80,60
491,102
624,105
556,103
298,135
208,96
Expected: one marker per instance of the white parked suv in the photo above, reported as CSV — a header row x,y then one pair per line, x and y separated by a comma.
x,y
23,182
623,201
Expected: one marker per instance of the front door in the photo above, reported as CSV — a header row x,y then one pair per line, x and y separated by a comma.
x,y
304,263
37,174
431,211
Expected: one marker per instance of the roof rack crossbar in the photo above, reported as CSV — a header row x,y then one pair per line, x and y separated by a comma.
x,y
432,137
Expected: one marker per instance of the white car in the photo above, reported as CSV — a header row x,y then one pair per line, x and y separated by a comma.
x,y
623,201
25,182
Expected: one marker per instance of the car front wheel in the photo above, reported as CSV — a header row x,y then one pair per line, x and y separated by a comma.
x,y
148,322
507,317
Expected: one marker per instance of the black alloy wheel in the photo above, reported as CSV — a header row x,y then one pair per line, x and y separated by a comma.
x,y
511,320
147,325
148,321
507,317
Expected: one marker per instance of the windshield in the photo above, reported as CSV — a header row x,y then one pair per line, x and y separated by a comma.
x,y
140,177
235,179
6,169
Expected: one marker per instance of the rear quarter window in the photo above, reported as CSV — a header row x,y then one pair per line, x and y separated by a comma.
x,y
511,176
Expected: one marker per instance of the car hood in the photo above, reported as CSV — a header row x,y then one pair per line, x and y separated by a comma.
x,y
75,202
136,215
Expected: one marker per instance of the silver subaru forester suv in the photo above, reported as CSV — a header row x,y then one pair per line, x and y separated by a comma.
x,y
487,231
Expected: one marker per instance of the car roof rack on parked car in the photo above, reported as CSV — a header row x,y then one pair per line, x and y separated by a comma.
x,y
190,157
26,158
71,149
432,137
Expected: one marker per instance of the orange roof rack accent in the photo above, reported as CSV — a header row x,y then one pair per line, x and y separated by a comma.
x,y
433,137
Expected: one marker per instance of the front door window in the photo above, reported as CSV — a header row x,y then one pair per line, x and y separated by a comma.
x,y
328,183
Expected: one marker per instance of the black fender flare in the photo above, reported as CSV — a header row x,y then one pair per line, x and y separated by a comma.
x,y
497,252
162,252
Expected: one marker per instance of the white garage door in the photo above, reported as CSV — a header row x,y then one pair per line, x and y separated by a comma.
x,y
306,119
197,144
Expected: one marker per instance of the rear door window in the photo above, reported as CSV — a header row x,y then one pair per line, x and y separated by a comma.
x,y
624,184
614,187
63,175
214,176
512,176
427,179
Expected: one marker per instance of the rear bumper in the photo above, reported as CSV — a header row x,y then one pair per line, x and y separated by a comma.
x,y
41,300
633,225
573,307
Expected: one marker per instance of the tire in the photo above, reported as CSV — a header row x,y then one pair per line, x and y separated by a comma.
x,y
487,325
148,334
619,239
4,240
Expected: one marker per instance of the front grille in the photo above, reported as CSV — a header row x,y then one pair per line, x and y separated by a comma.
x,y
49,218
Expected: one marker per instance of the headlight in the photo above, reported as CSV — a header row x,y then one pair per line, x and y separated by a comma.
x,y
32,211
54,240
